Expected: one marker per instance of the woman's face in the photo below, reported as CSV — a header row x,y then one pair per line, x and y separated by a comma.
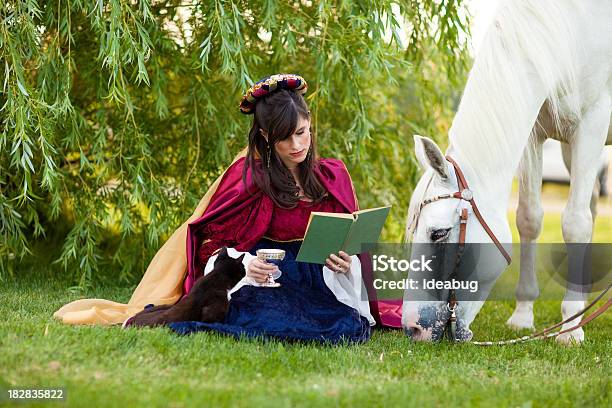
x,y
293,150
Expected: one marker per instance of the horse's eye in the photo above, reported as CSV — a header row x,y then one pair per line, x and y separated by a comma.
x,y
439,234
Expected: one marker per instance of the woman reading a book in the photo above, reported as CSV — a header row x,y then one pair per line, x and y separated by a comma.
x,y
264,201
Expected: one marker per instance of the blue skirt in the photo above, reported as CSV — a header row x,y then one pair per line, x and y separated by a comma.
x,y
301,309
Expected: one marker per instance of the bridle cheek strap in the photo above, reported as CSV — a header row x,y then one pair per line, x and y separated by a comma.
x,y
463,224
465,193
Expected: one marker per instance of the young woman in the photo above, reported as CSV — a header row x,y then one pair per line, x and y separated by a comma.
x,y
264,201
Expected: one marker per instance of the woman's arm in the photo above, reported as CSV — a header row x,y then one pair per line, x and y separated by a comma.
x,y
241,230
250,262
255,268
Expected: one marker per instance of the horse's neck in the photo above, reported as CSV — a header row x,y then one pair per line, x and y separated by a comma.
x,y
492,127
528,55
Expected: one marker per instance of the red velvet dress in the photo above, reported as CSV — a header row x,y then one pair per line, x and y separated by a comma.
x,y
290,224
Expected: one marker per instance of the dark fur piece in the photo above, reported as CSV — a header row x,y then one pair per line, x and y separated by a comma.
x,y
206,302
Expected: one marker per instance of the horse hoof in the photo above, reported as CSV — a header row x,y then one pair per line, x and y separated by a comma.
x,y
575,337
522,318
520,322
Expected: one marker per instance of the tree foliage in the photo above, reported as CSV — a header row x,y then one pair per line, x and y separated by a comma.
x,y
116,115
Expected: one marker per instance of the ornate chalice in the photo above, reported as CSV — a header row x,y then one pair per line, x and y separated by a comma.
x,y
273,256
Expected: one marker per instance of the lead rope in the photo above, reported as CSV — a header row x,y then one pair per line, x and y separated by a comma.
x,y
544,334
451,306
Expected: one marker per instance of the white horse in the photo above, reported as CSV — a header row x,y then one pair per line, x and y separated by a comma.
x,y
557,52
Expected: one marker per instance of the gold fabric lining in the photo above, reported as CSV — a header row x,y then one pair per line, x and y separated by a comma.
x,y
161,284
290,240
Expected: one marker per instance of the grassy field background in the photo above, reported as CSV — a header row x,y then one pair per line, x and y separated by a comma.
x,y
107,366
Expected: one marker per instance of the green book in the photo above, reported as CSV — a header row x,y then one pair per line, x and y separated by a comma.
x,y
328,233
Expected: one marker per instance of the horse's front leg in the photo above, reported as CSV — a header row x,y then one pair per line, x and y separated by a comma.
x,y
566,152
577,220
529,216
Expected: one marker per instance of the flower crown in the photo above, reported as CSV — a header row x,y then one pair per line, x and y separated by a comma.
x,y
268,85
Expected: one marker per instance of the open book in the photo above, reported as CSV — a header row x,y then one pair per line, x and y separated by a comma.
x,y
328,233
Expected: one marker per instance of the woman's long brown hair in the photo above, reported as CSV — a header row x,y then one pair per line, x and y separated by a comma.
x,y
278,115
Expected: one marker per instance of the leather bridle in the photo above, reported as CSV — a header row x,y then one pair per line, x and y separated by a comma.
x,y
465,194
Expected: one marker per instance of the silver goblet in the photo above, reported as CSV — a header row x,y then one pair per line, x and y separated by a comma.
x,y
273,256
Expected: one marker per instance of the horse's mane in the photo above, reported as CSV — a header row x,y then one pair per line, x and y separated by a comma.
x,y
526,38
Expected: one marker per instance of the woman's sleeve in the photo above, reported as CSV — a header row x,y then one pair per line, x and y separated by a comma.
x,y
215,237
349,288
241,231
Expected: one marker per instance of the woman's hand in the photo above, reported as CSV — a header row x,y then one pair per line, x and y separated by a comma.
x,y
259,270
340,263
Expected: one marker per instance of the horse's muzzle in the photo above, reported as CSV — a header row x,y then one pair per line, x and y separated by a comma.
x,y
428,321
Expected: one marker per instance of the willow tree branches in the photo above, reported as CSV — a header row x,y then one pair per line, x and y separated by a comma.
x,y
115,116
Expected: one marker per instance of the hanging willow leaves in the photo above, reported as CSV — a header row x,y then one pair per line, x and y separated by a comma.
x,y
116,116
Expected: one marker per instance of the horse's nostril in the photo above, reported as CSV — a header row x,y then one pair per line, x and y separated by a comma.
x,y
415,332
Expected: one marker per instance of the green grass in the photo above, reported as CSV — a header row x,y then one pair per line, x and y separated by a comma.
x,y
107,366
102,366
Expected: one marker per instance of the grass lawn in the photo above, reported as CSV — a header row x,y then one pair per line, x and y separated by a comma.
x,y
107,366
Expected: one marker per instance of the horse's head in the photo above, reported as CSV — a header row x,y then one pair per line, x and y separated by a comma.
x,y
439,202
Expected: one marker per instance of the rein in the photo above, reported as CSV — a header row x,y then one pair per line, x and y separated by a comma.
x,y
465,194
545,334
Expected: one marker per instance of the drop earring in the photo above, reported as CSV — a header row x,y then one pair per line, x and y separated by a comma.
x,y
268,152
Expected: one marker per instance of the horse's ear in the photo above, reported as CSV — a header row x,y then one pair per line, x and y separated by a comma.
x,y
429,154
